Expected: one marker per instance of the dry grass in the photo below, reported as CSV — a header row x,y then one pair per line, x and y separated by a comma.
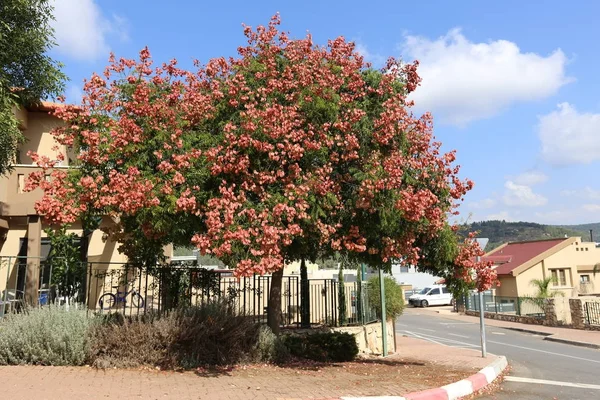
x,y
188,338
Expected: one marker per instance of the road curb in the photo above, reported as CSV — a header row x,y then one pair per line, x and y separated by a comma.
x,y
573,342
453,391
550,337
510,328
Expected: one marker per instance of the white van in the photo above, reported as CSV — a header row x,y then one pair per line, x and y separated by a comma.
x,y
433,295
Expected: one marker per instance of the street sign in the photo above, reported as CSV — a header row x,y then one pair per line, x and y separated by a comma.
x,y
482,242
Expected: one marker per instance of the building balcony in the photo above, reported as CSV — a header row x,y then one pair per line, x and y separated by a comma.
x,y
586,288
14,201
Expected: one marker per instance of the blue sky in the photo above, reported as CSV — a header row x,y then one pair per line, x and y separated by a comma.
x,y
513,86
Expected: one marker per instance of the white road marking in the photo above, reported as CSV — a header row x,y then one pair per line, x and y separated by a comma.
x,y
456,334
425,329
545,382
451,342
457,323
498,333
424,338
544,351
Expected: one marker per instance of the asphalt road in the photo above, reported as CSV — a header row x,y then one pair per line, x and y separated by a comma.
x,y
539,369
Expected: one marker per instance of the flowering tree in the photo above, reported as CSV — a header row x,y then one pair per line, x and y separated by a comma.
x,y
289,151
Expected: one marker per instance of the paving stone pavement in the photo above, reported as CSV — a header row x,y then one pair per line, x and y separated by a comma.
x,y
264,382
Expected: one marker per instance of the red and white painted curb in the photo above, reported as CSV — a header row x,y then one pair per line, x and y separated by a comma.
x,y
454,390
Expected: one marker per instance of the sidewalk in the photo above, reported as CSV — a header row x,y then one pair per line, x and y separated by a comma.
x,y
418,365
568,335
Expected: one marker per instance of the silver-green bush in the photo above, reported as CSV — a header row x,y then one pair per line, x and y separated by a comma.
x,y
46,336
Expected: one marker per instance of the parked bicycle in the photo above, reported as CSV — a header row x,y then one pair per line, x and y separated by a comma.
x,y
109,300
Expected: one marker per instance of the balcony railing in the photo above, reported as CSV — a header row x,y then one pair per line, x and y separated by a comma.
x,y
587,288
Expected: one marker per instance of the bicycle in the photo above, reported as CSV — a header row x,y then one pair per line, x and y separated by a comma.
x,y
108,300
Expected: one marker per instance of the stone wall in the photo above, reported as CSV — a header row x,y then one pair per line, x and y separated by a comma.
x,y
369,337
577,317
509,318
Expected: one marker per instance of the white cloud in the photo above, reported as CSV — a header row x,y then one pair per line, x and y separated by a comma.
x,y
592,207
569,137
585,193
465,81
374,58
500,216
522,196
81,30
482,204
530,178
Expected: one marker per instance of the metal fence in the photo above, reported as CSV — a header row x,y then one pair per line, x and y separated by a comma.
x,y
134,290
33,280
521,306
591,311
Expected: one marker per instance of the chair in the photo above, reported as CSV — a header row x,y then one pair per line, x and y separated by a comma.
x,y
11,300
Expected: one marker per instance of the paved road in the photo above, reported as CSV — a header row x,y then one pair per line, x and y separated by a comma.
x,y
540,369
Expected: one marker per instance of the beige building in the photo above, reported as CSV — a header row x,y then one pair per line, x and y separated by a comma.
x,y
569,261
21,229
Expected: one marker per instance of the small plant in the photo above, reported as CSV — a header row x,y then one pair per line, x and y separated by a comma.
x,y
394,301
543,291
45,336
326,346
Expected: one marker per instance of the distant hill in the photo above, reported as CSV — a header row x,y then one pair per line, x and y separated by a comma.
x,y
584,230
500,232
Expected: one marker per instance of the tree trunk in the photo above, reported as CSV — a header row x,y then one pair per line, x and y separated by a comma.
x,y
274,305
304,296
343,319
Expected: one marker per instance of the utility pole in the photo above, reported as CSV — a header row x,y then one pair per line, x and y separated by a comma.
x,y
383,313
482,321
482,243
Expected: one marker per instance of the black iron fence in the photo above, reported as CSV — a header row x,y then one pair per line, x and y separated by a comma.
x,y
591,312
521,306
134,290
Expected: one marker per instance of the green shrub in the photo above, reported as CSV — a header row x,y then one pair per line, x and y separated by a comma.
x,y
326,346
45,336
394,300
269,347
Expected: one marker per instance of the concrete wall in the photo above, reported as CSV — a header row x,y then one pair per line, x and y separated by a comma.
x,y
524,286
508,286
39,138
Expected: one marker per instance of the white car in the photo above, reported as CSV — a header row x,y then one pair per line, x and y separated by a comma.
x,y
434,295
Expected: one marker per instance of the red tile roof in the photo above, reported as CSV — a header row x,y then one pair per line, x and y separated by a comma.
x,y
45,106
515,254
497,260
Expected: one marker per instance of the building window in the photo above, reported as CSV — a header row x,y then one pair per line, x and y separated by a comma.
x,y
404,269
584,278
577,248
20,183
559,277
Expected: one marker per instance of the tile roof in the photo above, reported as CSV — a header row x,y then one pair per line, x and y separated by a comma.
x,y
511,256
